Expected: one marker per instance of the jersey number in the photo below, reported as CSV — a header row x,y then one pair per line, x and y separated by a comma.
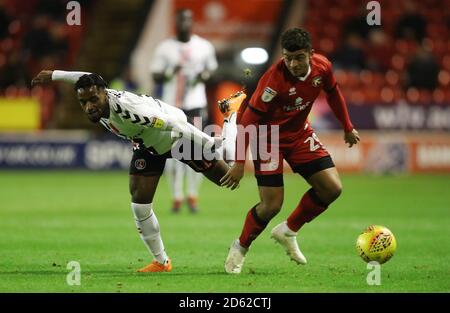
x,y
312,142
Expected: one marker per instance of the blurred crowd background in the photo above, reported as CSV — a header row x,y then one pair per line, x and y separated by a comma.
x,y
394,76
406,57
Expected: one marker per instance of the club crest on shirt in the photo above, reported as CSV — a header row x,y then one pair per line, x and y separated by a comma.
x,y
268,94
156,123
316,81
140,164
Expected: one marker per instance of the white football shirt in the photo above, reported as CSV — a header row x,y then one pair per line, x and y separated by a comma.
x,y
194,57
143,118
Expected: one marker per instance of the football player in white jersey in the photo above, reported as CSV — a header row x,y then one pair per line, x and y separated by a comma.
x,y
180,66
155,128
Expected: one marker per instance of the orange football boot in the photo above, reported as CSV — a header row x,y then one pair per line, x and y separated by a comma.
x,y
156,267
231,104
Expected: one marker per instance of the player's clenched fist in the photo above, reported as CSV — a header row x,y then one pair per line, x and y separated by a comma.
x,y
44,77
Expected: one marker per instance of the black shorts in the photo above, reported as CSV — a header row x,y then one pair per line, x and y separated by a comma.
x,y
306,170
147,162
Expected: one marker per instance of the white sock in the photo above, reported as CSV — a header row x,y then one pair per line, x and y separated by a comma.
x,y
287,230
229,133
175,175
148,227
194,180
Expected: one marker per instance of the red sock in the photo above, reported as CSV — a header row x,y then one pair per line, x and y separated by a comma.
x,y
253,226
309,207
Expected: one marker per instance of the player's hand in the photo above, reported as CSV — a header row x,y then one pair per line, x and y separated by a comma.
x,y
233,176
44,77
351,138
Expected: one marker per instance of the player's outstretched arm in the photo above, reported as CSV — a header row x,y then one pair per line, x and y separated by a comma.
x,y
47,76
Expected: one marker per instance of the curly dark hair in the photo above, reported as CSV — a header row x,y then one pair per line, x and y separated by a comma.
x,y
295,39
88,80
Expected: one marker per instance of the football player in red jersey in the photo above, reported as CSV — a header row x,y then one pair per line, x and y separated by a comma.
x,y
284,97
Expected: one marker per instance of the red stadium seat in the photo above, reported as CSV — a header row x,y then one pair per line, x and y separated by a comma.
x,y
392,78
398,62
446,62
366,77
326,45
378,80
412,95
444,78
357,96
372,94
2,59
425,96
341,77
387,95
438,96
353,80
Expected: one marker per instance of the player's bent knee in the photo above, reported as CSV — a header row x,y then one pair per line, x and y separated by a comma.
x,y
269,209
332,192
138,196
142,188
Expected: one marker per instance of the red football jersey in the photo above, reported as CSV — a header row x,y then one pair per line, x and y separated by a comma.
x,y
286,100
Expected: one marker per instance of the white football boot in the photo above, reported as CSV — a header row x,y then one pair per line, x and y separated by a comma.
x,y
288,239
235,258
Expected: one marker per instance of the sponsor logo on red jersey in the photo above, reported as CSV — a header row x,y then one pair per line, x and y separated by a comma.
x,y
297,106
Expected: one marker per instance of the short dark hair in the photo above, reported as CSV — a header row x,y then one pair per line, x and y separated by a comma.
x,y
88,80
295,39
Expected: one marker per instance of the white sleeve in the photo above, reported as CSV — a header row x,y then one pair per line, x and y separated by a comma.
x,y
153,117
188,131
69,77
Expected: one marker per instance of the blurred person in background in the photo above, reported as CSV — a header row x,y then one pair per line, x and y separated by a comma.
x,y
13,72
5,19
411,25
181,66
423,70
125,81
350,55
379,50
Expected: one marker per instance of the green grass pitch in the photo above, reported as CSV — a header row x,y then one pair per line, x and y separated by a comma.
x,y
50,218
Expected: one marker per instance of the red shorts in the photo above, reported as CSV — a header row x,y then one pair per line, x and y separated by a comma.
x,y
298,153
